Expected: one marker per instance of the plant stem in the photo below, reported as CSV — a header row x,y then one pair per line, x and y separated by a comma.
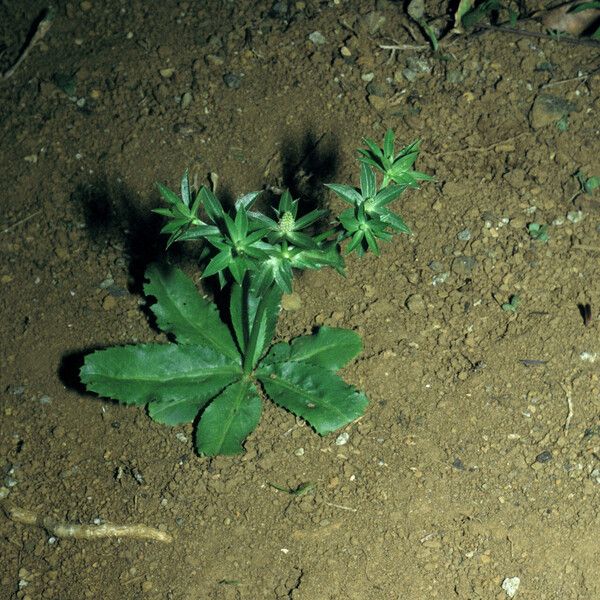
x,y
254,332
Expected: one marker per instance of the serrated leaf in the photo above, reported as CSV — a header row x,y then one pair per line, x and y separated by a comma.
x,y
316,394
185,410
181,310
228,419
156,372
330,348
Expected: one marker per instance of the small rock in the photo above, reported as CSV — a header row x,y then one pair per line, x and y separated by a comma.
x,y
418,64
368,77
575,216
463,265
232,80
342,439
317,38
510,585
409,75
186,100
439,279
373,21
291,302
377,102
167,72
464,235
299,452
454,76
415,303
214,60
109,302
544,457
548,109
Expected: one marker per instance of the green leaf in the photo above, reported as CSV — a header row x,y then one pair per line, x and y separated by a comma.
x,y
313,393
464,6
228,419
330,348
395,221
346,192
388,144
385,196
185,188
180,310
591,184
368,185
157,372
584,6
211,204
168,194
247,200
218,263
243,304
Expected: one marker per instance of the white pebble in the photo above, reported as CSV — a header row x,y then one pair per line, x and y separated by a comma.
x,y
342,439
510,585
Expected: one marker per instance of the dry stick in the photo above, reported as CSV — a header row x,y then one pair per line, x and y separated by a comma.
x,y
41,30
21,221
479,148
567,392
522,32
581,77
85,532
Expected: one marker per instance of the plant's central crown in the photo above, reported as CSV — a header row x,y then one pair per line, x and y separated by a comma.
x,y
287,223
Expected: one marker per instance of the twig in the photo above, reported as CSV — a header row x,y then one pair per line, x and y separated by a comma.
x,y
480,148
341,506
567,392
85,532
41,30
21,221
403,47
581,77
533,34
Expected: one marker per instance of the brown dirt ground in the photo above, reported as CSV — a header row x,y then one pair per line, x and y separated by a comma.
x,y
467,468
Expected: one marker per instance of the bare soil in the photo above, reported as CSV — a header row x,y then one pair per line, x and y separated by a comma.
x,y
478,459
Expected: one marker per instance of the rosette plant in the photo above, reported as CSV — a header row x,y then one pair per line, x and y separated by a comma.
x,y
216,371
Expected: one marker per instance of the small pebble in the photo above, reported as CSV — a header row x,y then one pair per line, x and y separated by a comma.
x,y
342,439
317,38
167,73
299,452
575,216
544,457
415,303
232,80
464,235
510,585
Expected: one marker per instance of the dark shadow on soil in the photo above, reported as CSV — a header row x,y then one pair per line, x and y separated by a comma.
x,y
307,165
114,216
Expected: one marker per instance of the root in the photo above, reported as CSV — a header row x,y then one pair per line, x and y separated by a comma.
x,y
85,532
